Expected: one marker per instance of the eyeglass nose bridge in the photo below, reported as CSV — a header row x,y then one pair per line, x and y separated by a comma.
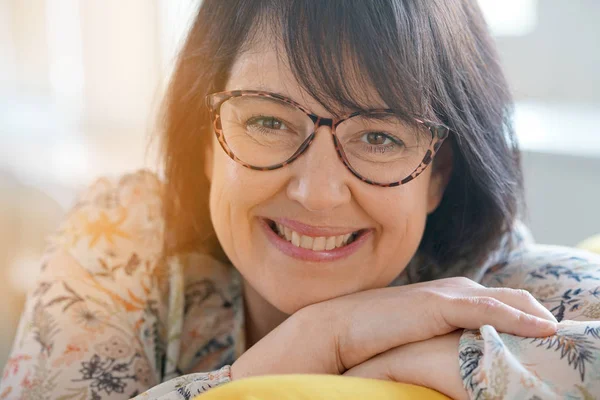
x,y
331,123
318,122
322,121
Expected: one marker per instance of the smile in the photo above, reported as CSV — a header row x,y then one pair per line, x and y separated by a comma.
x,y
313,244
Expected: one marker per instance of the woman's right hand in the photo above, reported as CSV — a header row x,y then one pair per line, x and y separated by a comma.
x,y
333,336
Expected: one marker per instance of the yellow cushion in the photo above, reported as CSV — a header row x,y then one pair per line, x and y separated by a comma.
x,y
591,244
305,387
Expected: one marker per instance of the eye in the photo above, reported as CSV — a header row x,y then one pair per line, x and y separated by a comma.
x,y
377,139
268,122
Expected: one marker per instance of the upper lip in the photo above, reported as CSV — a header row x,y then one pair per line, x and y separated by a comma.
x,y
315,231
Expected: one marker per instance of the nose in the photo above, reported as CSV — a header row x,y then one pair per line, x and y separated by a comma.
x,y
320,180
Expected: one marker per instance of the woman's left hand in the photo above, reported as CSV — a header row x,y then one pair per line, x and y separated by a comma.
x,y
432,363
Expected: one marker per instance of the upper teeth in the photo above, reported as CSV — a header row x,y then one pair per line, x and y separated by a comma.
x,y
313,243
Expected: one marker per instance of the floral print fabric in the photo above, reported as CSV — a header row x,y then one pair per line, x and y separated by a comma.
x,y
563,366
109,318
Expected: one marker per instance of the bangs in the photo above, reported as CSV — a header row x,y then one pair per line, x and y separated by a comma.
x,y
334,57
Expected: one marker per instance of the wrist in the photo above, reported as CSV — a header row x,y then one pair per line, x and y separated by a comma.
x,y
318,323
432,363
443,365
233,373
301,344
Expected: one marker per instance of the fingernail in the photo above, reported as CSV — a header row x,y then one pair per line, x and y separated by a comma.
x,y
552,317
550,325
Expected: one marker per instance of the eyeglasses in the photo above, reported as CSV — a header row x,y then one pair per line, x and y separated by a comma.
x,y
265,131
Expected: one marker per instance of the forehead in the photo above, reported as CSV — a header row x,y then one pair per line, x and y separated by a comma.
x,y
264,65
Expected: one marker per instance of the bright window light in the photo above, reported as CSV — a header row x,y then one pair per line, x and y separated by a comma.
x,y
510,17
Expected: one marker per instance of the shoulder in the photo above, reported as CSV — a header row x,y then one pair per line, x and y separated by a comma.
x,y
538,262
101,296
114,235
566,280
114,218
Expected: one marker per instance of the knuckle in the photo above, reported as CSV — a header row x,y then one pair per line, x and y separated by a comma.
x,y
525,295
466,282
454,283
521,295
518,294
428,294
484,303
524,319
460,281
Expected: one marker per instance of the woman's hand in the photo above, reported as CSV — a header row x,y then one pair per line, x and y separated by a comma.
x,y
335,335
432,363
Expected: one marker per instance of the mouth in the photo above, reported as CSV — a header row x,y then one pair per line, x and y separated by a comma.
x,y
313,245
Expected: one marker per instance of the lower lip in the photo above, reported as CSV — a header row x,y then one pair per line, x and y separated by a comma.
x,y
310,255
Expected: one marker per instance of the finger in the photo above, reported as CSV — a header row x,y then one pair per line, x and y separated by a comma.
x,y
474,312
520,299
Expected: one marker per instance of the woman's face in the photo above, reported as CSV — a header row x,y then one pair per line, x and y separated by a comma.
x,y
315,196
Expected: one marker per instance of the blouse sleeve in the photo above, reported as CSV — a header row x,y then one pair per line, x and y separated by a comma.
x,y
563,366
95,324
186,386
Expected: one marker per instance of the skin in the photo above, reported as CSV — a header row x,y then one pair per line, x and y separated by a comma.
x,y
316,189
339,317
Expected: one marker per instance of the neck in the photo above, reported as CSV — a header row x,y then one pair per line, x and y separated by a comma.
x,y
261,317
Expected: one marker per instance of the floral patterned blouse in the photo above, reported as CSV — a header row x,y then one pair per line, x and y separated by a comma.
x,y
111,319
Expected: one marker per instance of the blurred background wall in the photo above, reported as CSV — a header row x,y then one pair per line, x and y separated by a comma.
x,y
80,83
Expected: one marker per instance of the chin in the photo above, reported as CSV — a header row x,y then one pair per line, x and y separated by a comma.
x,y
291,304
289,298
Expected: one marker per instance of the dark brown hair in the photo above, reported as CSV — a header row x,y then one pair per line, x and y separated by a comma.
x,y
434,58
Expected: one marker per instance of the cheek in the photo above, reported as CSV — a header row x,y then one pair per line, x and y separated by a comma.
x,y
235,192
241,188
401,214
396,207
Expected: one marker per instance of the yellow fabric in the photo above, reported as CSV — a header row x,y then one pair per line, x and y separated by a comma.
x,y
315,387
592,244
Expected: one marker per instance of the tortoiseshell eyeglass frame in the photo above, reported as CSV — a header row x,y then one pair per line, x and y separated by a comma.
x,y
439,133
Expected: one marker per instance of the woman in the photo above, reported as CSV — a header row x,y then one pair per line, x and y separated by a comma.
x,y
341,189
